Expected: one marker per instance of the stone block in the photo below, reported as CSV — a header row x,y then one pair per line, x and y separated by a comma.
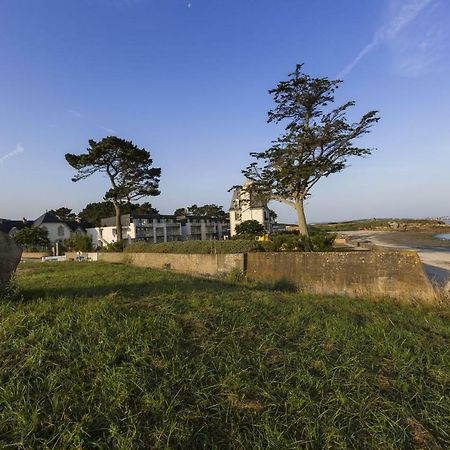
x,y
10,254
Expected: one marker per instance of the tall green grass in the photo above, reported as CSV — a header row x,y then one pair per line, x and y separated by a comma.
x,y
116,357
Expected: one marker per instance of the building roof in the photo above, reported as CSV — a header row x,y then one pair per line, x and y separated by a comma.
x,y
50,217
7,225
47,217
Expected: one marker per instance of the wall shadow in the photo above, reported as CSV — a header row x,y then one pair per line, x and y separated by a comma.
x,y
170,286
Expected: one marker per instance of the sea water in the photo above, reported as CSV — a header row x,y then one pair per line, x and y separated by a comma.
x,y
443,236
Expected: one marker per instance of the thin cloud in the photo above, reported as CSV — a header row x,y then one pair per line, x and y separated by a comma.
x,y
109,130
77,114
74,113
389,31
19,149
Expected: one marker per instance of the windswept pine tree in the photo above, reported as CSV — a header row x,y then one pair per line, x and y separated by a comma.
x,y
317,141
129,169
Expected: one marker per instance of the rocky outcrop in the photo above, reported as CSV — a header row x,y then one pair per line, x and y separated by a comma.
x,y
10,254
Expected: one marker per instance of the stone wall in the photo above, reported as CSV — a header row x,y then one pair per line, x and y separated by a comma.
x,y
367,274
395,274
212,265
35,255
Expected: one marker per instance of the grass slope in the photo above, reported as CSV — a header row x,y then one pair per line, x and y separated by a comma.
x,y
115,357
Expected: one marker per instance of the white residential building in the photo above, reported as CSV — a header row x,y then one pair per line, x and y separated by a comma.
x,y
158,228
246,206
58,230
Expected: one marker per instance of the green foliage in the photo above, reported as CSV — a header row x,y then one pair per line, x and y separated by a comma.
x,y
278,242
211,210
144,208
117,357
33,238
294,242
249,229
128,167
201,247
322,242
64,213
78,243
181,212
93,213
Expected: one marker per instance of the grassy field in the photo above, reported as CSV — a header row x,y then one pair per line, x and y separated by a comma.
x,y
112,357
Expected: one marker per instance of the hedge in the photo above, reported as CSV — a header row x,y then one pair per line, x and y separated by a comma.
x,y
203,247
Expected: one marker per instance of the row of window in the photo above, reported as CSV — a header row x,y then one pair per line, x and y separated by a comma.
x,y
173,221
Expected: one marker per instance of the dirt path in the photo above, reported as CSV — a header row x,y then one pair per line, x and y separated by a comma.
x,y
434,253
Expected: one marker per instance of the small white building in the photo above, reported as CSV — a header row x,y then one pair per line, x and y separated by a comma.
x,y
158,228
58,230
247,206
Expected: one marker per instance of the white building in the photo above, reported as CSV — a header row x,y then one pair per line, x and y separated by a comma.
x,y
158,228
246,206
58,230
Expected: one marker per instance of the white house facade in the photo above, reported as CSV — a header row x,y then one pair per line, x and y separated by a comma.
x,y
246,206
58,230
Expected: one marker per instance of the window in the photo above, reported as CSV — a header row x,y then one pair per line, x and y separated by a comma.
x,y
60,230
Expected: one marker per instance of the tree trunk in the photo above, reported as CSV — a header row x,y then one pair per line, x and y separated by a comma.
x,y
301,218
302,225
118,220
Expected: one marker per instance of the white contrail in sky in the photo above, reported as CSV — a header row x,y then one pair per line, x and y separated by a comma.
x,y
406,15
19,149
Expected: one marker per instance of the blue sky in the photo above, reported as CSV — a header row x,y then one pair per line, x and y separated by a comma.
x,y
189,81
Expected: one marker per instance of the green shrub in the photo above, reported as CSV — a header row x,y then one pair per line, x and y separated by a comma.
x,y
249,229
33,238
323,242
289,242
79,243
201,247
278,243
235,275
294,242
